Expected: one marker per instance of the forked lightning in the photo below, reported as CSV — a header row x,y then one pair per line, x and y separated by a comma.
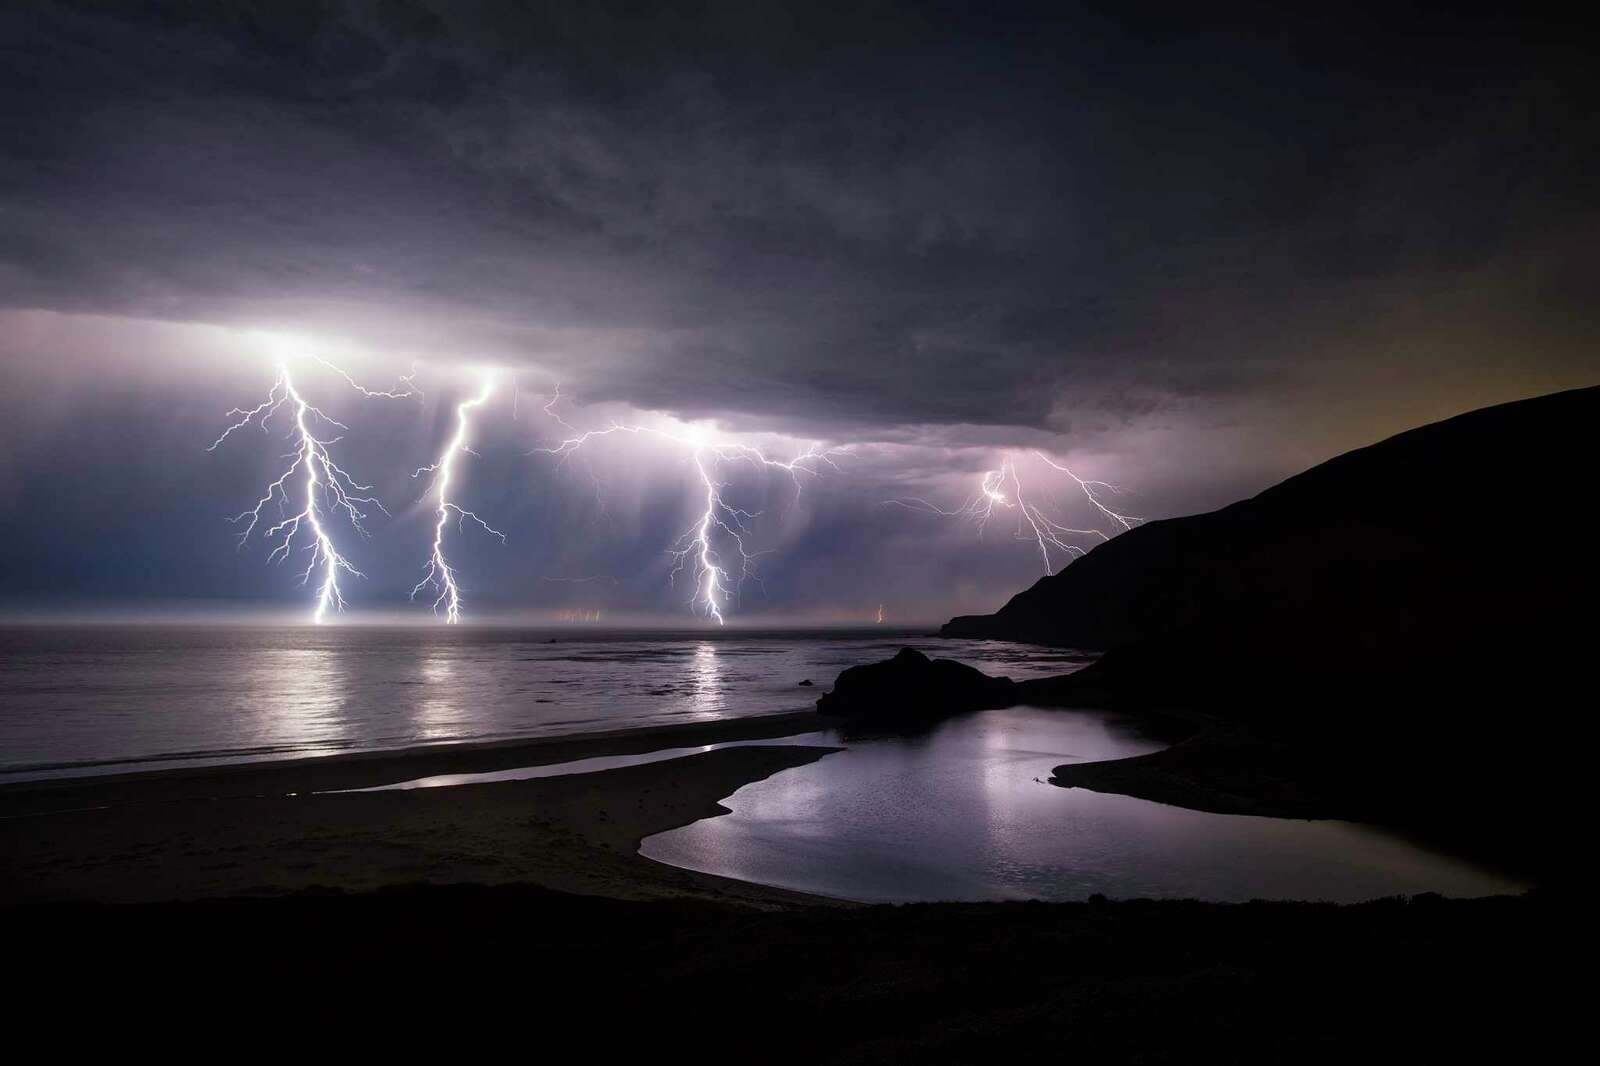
x,y
1001,489
324,489
440,576
718,573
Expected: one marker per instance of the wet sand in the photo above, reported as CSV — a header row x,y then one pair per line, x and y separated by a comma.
x,y
367,769
270,829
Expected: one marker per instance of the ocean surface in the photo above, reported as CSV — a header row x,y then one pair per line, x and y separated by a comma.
x,y
108,699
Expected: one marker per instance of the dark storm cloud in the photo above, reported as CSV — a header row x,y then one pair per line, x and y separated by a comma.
x,y
881,217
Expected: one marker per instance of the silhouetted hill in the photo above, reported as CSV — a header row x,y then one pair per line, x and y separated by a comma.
x,y
1400,635
1441,546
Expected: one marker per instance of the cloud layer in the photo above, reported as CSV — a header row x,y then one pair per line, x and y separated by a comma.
x,y
1207,248
886,217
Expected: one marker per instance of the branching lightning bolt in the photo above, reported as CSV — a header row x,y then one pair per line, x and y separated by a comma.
x,y
1123,522
408,384
440,576
716,574
325,488
1054,540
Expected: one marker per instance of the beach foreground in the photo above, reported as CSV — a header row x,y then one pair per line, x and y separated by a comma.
x,y
434,918
414,971
271,828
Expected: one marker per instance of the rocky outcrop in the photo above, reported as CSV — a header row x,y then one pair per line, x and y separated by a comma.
x,y
912,687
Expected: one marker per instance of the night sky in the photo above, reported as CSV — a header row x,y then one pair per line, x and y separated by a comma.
x,y
1187,250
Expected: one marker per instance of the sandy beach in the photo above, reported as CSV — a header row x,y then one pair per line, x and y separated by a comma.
x,y
272,828
243,898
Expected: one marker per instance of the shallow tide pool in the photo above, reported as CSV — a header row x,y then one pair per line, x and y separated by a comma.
x,y
965,812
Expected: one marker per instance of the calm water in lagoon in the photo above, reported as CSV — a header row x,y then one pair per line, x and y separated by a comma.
x,y
965,813
99,699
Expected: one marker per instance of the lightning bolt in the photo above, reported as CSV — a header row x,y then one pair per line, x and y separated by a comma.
x,y
714,552
325,489
1123,522
440,576
408,384
1002,490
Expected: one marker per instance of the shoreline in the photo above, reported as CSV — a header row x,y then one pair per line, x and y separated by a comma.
x,y
384,766
577,834
132,811
275,829
1225,768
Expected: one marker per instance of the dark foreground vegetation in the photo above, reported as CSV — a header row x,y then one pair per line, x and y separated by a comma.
x,y
555,977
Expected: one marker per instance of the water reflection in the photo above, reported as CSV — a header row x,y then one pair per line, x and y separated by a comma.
x,y
964,812
296,695
591,765
439,710
107,699
705,680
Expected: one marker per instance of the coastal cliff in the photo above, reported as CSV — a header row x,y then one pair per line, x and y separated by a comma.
x,y
1458,544
1372,639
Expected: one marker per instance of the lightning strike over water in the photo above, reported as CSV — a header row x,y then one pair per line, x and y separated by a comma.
x,y
325,489
440,576
1055,541
718,572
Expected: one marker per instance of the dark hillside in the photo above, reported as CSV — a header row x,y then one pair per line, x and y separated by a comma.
x,y
1401,635
1465,542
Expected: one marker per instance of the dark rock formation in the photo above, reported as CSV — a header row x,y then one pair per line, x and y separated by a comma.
x,y
911,687
806,683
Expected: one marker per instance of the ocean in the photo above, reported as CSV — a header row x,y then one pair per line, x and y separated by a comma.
x,y
107,699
